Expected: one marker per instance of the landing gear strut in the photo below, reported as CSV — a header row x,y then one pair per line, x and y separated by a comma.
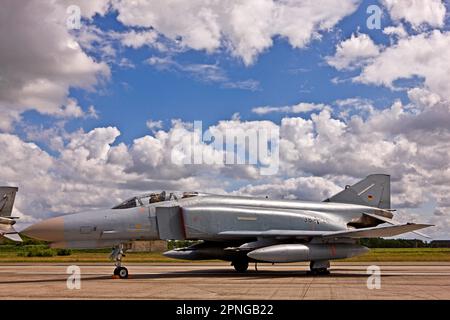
x,y
319,267
240,265
116,255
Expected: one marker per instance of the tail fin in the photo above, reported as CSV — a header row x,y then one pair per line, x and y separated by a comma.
x,y
374,191
7,196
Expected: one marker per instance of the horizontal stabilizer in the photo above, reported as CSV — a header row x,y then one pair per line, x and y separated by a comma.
x,y
13,236
376,232
8,231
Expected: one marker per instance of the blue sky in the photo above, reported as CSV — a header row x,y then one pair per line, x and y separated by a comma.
x,y
285,76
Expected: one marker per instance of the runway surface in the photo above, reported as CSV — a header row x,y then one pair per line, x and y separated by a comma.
x,y
410,280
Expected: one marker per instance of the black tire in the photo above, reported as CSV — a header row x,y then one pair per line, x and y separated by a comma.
x,y
319,268
123,273
319,272
240,265
116,271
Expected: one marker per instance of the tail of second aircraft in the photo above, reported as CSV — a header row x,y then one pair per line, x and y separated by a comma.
x,y
374,191
7,196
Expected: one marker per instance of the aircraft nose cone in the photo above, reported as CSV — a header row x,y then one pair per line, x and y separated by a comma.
x,y
47,230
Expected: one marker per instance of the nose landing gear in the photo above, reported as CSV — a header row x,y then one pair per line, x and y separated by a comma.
x,y
122,272
116,255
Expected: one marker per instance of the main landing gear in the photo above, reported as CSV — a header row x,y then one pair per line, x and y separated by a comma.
x,y
240,265
116,255
319,267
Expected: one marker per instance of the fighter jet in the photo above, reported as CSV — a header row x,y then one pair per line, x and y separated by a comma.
x,y
234,228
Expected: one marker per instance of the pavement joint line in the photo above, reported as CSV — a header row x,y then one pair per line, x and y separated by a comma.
x,y
274,273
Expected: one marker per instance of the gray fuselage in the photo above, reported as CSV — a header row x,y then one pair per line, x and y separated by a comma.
x,y
206,217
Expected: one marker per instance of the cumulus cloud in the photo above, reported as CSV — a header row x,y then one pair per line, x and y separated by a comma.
x,y
417,12
244,28
41,61
320,154
424,56
353,52
396,140
398,31
89,9
321,149
136,40
312,188
351,106
91,170
154,124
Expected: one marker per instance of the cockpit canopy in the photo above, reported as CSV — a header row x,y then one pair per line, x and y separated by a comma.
x,y
154,197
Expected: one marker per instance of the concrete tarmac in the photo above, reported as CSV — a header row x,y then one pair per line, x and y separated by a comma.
x,y
411,280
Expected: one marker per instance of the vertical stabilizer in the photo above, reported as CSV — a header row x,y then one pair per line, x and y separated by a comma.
x,y
7,196
374,191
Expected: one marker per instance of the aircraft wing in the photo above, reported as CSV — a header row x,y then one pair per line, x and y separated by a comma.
x,y
273,233
373,232
376,232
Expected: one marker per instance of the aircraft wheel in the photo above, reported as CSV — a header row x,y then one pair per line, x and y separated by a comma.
x,y
325,272
240,265
319,272
319,267
122,272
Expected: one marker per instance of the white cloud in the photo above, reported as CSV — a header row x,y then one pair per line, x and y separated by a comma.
x,y
136,40
250,84
209,73
422,98
410,142
359,103
353,52
154,124
350,106
417,12
398,31
328,149
206,72
312,188
94,144
245,28
301,107
126,63
424,55
162,63
40,64
89,9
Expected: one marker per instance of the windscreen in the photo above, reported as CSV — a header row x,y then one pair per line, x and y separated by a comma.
x,y
154,197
